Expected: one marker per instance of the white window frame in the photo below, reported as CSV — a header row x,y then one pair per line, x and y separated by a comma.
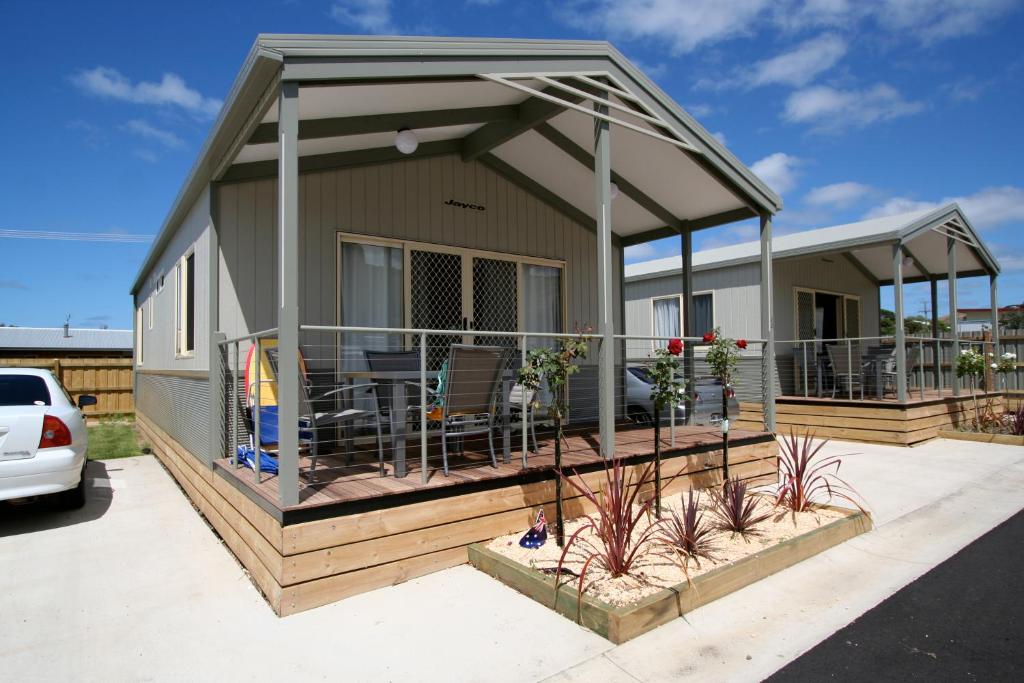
x,y
714,312
682,313
842,295
655,343
149,312
408,246
181,319
139,336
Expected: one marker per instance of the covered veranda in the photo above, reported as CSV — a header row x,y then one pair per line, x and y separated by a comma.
x,y
573,126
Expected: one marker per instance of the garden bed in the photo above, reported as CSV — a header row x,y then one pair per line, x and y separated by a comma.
x,y
658,591
982,437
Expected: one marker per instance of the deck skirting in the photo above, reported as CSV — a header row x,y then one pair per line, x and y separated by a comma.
x,y
870,422
308,564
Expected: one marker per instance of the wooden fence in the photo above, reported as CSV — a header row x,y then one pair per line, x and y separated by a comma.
x,y
108,379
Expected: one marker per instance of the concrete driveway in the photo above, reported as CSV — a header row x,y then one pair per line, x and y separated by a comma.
x,y
136,586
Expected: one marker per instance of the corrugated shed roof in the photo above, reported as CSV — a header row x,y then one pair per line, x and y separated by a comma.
x,y
821,239
52,338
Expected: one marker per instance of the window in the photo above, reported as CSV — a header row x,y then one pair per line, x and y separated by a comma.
x,y
138,335
826,315
668,319
703,313
185,328
23,390
149,313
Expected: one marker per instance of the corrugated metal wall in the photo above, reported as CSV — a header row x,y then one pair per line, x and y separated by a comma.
x,y
400,200
181,407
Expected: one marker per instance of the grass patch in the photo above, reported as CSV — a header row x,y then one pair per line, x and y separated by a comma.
x,y
113,440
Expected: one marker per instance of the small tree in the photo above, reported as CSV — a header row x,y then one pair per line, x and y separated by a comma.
x,y
724,357
1006,364
665,391
554,365
971,364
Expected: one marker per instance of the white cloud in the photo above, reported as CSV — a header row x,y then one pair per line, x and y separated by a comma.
x,y
720,136
145,130
778,171
829,109
372,16
799,66
838,195
699,109
986,208
147,155
170,90
644,251
928,21
684,25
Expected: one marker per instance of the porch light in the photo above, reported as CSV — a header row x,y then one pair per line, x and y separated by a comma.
x,y
615,191
907,261
406,141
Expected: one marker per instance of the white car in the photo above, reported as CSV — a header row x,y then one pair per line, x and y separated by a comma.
x,y
43,438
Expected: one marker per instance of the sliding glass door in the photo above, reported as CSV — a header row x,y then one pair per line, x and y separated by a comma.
x,y
403,284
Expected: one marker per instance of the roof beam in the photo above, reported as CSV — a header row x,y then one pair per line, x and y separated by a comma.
x,y
961,273
531,113
628,189
712,221
856,263
312,129
322,162
525,182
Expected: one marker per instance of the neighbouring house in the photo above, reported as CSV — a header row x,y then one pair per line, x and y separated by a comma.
x,y
825,308
372,220
980,319
86,361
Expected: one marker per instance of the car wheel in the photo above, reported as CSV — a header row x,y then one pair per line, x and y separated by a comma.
x,y
639,416
73,499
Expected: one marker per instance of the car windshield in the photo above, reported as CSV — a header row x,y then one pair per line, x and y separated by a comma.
x,y
23,390
642,374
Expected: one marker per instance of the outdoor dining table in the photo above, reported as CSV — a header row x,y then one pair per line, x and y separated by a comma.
x,y
400,403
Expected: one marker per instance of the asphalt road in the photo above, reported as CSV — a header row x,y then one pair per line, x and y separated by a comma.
x,y
962,621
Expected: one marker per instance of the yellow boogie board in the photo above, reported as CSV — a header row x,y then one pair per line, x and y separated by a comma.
x,y
268,377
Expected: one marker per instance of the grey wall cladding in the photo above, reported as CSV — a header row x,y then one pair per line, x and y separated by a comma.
x,y
181,407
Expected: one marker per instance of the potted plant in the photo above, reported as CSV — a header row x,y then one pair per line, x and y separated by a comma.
x,y
554,365
723,358
665,392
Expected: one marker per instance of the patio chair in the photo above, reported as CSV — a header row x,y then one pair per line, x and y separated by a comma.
x,y
312,420
471,392
889,368
847,368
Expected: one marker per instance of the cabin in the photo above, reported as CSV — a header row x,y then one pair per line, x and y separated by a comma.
x,y
834,370
376,235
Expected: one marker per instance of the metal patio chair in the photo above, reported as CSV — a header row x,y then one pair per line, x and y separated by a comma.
x,y
889,368
847,368
313,419
471,392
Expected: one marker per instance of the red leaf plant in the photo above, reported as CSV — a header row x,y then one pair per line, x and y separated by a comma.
x,y
1016,421
611,543
805,476
736,511
687,534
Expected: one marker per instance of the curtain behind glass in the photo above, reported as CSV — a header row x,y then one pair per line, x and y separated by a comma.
x,y
542,302
703,316
666,319
371,296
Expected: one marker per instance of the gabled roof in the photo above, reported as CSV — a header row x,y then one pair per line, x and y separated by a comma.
x,y
922,233
53,339
519,107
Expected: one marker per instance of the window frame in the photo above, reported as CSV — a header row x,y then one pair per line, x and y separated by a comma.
x,y
843,296
140,354
182,320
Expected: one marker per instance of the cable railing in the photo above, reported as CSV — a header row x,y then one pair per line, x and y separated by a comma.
x,y
866,368
385,403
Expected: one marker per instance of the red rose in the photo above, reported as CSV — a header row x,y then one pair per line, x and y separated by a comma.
x,y
709,337
741,343
675,346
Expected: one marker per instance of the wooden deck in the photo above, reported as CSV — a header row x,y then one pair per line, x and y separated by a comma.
x,y
342,486
355,533
871,420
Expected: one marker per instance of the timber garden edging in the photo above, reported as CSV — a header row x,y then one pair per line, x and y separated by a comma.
x,y
1004,439
620,624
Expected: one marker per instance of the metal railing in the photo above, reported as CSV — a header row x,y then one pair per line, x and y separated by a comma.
x,y
358,421
866,367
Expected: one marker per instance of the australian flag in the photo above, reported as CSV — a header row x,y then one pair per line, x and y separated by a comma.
x,y
537,534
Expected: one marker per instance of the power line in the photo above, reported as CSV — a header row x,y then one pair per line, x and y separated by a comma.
x,y
123,238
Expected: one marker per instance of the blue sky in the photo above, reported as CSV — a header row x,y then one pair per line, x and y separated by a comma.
x,y
848,109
